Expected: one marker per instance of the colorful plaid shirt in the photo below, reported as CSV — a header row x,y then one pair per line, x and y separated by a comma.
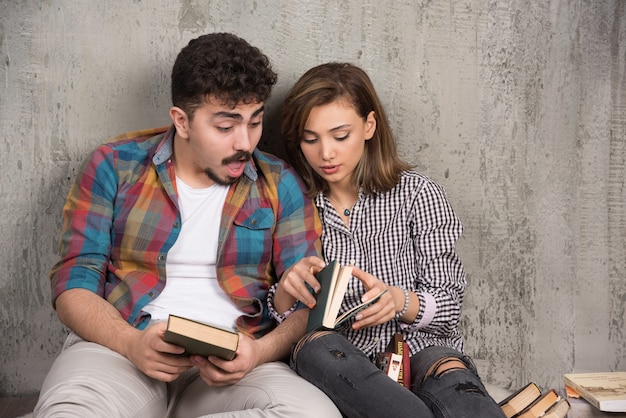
x,y
121,218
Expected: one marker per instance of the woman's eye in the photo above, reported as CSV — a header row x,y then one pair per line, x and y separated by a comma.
x,y
309,140
342,138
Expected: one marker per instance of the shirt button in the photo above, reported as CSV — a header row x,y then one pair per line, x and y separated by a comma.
x,y
176,225
161,257
351,292
151,294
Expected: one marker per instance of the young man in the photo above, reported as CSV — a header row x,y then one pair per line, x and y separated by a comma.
x,y
191,221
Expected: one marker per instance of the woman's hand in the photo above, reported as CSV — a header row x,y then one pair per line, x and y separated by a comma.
x,y
293,284
384,309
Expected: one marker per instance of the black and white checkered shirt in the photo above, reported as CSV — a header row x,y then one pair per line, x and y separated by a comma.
x,y
405,237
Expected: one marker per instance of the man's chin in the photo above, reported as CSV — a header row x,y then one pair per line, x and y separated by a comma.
x,y
221,180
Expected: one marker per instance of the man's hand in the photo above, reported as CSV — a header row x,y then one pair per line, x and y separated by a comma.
x,y
155,357
96,320
215,371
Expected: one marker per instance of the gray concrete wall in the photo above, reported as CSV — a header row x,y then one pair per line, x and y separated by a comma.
x,y
516,107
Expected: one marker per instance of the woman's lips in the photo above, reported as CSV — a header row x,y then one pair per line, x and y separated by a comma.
x,y
330,169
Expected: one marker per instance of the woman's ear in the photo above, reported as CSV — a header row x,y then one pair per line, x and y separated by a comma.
x,y
181,121
370,125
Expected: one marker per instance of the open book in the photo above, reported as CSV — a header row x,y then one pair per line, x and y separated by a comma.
x,y
334,280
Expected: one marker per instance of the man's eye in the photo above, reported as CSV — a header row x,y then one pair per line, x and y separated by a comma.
x,y
255,124
224,128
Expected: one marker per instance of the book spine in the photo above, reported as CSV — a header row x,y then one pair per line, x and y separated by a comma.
x,y
406,365
399,350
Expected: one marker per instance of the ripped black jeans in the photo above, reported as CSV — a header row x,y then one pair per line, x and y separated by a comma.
x,y
360,389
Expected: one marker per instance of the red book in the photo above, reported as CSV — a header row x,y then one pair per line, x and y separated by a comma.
x,y
406,365
400,347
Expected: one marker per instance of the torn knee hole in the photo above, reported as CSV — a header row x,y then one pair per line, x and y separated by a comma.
x,y
446,365
469,387
338,354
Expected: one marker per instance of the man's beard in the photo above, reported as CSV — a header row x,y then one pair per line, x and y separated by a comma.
x,y
240,156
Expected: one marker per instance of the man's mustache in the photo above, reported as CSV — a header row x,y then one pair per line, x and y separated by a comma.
x,y
239,156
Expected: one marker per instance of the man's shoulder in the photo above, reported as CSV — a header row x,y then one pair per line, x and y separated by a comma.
x,y
277,173
270,165
137,136
268,158
135,146
140,139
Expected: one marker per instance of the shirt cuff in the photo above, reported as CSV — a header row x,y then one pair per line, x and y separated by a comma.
x,y
427,309
272,310
430,307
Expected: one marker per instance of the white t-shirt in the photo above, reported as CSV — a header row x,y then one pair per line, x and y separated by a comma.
x,y
191,289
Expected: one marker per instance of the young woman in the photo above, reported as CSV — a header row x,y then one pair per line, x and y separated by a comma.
x,y
399,231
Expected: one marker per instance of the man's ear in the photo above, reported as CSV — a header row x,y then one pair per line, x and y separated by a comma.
x,y
370,125
181,121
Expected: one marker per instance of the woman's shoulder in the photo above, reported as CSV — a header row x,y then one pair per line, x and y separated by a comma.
x,y
412,178
413,185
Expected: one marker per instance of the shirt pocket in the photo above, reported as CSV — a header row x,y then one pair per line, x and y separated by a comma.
x,y
254,236
261,218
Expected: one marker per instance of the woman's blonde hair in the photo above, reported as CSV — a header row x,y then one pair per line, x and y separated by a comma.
x,y
380,166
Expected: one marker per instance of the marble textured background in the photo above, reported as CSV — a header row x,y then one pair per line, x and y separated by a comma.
x,y
517,108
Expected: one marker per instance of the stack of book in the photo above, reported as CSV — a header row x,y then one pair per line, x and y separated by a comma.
x,y
396,361
530,402
596,394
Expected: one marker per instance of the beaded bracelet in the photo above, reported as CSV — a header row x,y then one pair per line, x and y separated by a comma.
x,y
406,304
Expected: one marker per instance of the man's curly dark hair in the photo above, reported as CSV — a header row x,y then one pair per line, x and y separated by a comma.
x,y
223,66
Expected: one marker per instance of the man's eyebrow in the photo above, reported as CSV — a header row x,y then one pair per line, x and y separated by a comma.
x,y
237,116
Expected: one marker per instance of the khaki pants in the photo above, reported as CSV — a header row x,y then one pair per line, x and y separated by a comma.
x,y
89,380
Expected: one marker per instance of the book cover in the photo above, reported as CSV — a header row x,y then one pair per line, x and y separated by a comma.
x,y
201,338
580,408
540,406
333,280
520,399
604,390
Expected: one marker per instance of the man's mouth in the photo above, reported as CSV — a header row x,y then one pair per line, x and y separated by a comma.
x,y
237,163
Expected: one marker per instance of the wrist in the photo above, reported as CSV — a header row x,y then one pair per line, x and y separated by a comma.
x,y
404,302
283,301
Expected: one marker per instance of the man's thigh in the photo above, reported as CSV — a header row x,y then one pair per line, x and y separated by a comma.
x,y
270,390
89,380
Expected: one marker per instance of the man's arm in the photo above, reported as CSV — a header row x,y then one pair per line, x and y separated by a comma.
x,y
96,320
277,344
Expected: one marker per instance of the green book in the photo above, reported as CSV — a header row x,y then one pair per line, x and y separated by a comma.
x,y
333,280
